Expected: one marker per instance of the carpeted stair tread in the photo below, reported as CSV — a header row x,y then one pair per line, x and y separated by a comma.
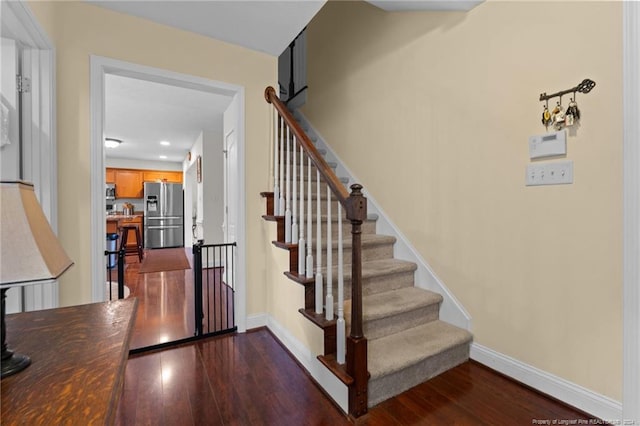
x,y
395,352
367,240
390,303
376,268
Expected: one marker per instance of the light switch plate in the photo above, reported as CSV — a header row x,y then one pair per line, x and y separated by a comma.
x,y
548,145
550,173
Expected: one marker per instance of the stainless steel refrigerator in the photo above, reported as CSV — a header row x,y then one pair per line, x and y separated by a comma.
x,y
163,215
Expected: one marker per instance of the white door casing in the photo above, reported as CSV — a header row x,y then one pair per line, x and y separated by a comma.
x,y
38,157
10,136
631,191
101,66
230,187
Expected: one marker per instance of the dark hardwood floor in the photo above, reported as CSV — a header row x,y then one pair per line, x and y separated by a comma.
x,y
250,379
166,300
165,303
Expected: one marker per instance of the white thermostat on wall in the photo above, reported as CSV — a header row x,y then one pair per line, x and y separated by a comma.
x,y
548,145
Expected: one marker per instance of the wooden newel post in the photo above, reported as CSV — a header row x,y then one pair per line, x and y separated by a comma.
x,y
356,357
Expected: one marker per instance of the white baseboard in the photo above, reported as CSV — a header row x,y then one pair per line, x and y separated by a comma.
x,y
256,321
584,399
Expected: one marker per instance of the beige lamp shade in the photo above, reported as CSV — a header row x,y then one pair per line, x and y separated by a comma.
x,y
29,250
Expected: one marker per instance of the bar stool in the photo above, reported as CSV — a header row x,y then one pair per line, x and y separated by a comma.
x,y
124,232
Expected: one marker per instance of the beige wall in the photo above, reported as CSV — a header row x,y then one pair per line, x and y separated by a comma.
x,y
432,111
284,296
79,30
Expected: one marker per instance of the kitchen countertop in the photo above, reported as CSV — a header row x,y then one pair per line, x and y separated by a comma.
x,y
119,216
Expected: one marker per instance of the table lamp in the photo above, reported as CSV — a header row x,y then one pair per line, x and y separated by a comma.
x,y
29,254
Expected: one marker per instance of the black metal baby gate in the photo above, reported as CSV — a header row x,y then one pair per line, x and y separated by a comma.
x,y
214,288
115,259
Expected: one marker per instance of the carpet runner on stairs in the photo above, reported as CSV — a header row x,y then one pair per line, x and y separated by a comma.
x,y
408,343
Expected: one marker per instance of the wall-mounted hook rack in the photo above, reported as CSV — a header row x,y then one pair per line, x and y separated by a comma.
x,y
584,87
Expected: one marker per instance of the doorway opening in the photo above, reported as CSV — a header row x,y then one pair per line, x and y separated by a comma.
x,y
233,121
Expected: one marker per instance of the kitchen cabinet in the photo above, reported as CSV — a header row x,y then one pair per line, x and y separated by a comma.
x,y
162,176
110,176
128,183
112,226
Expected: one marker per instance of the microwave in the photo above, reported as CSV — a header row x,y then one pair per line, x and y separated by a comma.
x,y
110,192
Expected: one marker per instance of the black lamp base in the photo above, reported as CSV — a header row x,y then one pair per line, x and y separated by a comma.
x,y
11,363
15,363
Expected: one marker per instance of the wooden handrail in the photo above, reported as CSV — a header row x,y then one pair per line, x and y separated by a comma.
x,y
332,180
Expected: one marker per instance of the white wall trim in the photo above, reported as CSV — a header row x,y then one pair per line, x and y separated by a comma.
x,y
40,150
337,390
101,66
451,309
591,402
631,194
25,26
257,321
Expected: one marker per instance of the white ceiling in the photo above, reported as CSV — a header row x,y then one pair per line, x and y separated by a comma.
x,y
264,25
143,113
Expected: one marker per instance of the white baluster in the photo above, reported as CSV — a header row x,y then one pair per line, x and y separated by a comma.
x,y
294,210
301,243
287,211
318,247
340,324
309,222
329,303
281,188
276,164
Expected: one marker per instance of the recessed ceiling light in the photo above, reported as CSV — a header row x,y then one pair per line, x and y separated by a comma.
x,y
163,157
165,143
112,142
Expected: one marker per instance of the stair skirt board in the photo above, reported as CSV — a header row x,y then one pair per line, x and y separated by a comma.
x,y
333,387
451,310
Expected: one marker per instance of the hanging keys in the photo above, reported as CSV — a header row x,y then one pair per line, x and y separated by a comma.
x,y
546,117
573,111
558,116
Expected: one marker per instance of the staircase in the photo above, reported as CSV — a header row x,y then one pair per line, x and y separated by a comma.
x,y
406,343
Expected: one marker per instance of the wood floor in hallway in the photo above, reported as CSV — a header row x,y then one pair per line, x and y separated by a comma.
x,y
166,300
165,303
250,379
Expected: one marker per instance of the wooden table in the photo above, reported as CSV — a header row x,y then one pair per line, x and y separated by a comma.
x,y
78,358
